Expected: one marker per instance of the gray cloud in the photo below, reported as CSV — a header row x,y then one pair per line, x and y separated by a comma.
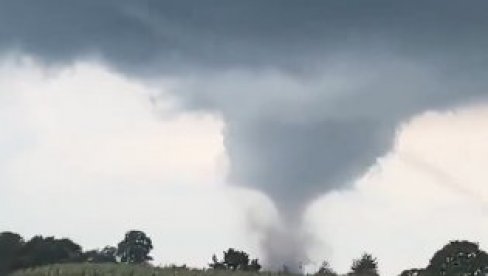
x,y
311,91
169,34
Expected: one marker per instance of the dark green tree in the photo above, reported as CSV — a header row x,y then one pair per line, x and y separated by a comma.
x,y
135,247
367,265
235,260
106,255
42,251
459,258
414,272
10,247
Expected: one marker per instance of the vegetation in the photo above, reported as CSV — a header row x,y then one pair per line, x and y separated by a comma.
x,y
47,256
10,247
90,269
325,270
17,254
235,260
106,255
457,258
135,248
365,266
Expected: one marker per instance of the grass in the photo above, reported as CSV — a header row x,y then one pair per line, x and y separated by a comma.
x,y
89,269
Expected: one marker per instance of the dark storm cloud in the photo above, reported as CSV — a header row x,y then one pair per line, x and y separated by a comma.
x,y
237,33
311,91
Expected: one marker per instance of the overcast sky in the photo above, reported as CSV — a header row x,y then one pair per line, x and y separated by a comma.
x,y
330,128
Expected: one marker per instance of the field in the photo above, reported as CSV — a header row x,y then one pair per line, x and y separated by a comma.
x,y
124,270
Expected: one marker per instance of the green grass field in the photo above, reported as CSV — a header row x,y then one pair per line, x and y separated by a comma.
x,y
88,269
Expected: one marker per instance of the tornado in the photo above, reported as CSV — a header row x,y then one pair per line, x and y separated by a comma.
x,y
311,92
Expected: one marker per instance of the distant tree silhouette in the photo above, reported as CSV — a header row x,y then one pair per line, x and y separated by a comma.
x,y
325,270
414,272
106,255
10,246
42,251
135,247
365,266
216,264
459,258
254,266
456,258
235,260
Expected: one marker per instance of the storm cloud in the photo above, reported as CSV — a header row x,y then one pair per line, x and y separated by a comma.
x,y
311,92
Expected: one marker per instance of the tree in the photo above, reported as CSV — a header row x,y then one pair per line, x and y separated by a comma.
x,y
325,270
216,264
254,266
10,246
235,260
455,258
365,266
459,258
42,251
106,255
414,272
135,247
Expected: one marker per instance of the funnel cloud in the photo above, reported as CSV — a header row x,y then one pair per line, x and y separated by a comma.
x,y
311,92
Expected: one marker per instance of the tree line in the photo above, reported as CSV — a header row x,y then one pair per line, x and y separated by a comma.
x,y
457,258
16,253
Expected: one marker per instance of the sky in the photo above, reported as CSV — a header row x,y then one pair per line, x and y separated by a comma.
x,y
310,130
